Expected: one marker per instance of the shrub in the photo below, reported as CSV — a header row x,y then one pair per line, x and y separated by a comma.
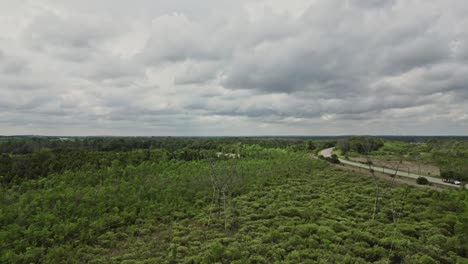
x,y
334,159
215,253
422,181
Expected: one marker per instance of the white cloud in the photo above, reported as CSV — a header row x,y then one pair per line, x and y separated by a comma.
x,y
233,67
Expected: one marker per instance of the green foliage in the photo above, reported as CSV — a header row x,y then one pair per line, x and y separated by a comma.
x,y
215,252
157,206
310,145
361,145
32,158
448,154
334,159
451,156
422,180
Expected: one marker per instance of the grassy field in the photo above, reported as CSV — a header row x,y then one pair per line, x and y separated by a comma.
x,y
404,166
436,157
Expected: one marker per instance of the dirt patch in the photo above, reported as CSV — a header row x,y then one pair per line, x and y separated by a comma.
x,y
405,166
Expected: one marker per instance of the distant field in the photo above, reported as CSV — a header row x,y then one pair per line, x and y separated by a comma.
x,y
404,166
435,157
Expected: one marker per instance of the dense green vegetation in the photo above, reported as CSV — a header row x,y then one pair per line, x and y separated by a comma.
x,y
451,156
361,145
26,145
274,204
31,158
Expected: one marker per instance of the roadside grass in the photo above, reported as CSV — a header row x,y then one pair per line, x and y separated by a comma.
x,y
416,158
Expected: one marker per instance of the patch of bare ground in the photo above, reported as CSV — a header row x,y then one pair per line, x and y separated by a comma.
x,y
405,166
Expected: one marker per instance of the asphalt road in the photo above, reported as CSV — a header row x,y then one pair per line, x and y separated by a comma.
x,y
328,152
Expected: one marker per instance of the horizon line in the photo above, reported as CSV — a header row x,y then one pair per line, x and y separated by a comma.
x,y
218,136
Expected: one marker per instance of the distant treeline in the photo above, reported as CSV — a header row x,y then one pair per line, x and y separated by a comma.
x,y
26,145
32,158
30,144
362,145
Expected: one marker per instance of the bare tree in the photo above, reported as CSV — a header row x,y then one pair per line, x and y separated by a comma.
x,y
380,191
225,177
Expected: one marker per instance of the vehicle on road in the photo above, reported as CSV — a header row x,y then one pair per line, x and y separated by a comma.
x,y
451,181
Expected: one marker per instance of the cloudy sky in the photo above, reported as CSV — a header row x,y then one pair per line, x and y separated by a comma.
x,y
222,67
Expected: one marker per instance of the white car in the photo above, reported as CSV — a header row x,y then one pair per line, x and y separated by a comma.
x,y
457,182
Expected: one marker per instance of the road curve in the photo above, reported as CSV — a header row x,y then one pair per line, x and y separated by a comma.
x,y
328,152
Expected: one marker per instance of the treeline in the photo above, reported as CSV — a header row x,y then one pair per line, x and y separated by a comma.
x,y
36,162
361,145
32,144
452,158
16,168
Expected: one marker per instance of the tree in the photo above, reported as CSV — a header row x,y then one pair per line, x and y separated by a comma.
x,y
225,177
343,145
334,159
310,145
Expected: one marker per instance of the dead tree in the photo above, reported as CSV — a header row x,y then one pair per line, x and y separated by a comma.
x,y
386,192
380,191
225,177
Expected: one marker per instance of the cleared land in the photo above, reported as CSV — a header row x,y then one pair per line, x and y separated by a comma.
x,y
405,166
328,152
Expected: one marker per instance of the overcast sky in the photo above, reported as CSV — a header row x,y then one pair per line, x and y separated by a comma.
x,y
223,67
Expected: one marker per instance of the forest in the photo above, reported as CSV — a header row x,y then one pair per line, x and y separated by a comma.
x,y
220,200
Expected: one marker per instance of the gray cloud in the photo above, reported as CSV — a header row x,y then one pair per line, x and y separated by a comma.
x,y
245,67
11,65
197,73
373,3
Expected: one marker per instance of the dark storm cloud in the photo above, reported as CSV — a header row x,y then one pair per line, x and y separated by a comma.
x,y
422,51
227,67
323,56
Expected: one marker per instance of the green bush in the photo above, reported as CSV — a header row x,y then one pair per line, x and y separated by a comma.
x,y
422,180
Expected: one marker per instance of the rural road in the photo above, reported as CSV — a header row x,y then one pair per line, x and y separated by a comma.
x,y
328,152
